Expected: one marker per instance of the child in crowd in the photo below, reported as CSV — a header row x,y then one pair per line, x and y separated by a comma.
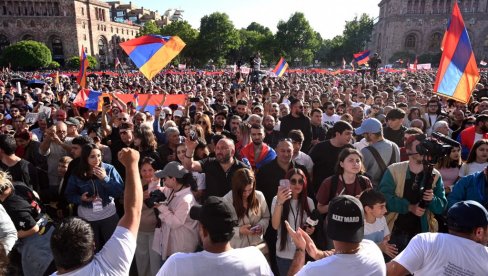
x,y
375,227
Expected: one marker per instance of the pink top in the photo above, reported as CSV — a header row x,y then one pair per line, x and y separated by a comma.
x,y
449,175
178,232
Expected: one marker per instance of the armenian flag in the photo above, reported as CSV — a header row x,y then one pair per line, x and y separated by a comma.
x,y
81,78
151,53
280,68
362,57
458,72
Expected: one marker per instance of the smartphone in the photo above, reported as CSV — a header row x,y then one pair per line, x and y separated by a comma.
x,y
193,135
255,228
106,100
49,122
285,183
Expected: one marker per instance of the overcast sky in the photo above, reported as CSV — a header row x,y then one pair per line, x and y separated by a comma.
x,y
325,16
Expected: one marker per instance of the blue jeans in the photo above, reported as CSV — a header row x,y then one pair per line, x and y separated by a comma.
x,y
283,265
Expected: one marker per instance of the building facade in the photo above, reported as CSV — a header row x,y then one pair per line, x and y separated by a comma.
x,y
65,26
418,26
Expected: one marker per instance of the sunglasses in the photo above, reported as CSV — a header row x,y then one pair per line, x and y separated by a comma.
x,y
296,181
124,119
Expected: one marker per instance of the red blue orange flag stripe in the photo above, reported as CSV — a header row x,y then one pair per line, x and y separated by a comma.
x,y
280,68
151,53
458,72
81,78
362,57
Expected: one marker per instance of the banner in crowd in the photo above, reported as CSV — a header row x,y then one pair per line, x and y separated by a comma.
x,y
151,53
93,100
458,72
421,66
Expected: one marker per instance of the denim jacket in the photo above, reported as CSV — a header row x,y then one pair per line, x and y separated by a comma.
x,y
111,186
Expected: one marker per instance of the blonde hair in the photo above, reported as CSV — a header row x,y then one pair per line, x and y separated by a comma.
x,y
5,181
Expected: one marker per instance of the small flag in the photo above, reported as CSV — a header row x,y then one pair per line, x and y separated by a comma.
x,y
280,68
136,100
343,63
352,64
362,57
81,78
400,61
415,63
458,72
56,79
117,62
181,66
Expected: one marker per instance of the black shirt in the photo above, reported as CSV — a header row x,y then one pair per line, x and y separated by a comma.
x,y
272,138
23,215
217,181
23,171
269,176
396,136
324,156
409,223
319,132
302,123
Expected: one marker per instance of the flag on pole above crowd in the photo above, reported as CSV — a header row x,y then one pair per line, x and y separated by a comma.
x,y
343,63
362,57
280,68
151,53
81,78
458,72
117,62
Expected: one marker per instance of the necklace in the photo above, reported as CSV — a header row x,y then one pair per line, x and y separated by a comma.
x,y
350,251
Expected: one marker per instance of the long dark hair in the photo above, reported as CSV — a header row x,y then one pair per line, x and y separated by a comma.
x,y
242,178
472,152
148,139
302,206
83,171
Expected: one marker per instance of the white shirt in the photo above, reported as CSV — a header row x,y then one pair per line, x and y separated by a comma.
x,y
470,168
367,262
444,254
376,231
305,160
115,257
241,261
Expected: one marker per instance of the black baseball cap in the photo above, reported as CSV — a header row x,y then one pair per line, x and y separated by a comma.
x,y
466,215
216,215
345,220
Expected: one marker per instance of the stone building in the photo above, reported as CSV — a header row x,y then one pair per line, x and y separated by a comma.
x,y
65,26
418,26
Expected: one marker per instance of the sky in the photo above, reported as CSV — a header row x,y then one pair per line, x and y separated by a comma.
x,y
328,17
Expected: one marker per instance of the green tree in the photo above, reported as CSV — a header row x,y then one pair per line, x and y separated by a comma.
x,y
217,38
74,62
184,30
296,40
251,43
27,55
259,28
149,27
357,34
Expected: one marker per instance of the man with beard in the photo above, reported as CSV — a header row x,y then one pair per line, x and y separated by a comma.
x,y
380,153
218,170
319,131
126,139
54,147
235,121
219,124
257,152
297,120
471,134
272,136
401,185
357,116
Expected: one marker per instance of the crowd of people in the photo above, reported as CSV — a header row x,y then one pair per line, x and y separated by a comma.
x,y
246,177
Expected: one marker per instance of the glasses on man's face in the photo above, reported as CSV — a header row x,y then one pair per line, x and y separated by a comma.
x,y
124,119
295,181
14,110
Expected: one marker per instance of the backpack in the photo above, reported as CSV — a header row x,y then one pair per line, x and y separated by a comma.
x,y
29,195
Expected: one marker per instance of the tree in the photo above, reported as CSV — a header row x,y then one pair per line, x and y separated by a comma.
x,y
74,62
217,38
27,55
259,28
357,34
149,27
297,40
184,30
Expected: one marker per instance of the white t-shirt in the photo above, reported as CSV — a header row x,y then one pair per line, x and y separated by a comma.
x,y
115,257
444,254
330,120
477,136
305,160
470,168
376,231
240,261
367,262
